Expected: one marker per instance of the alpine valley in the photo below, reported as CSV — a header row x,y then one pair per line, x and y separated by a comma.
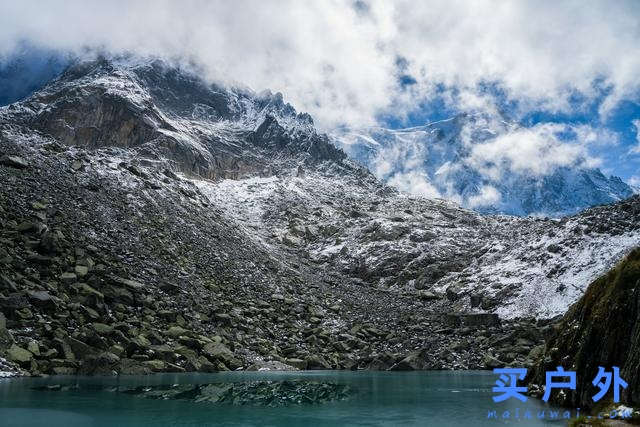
x,y
152,222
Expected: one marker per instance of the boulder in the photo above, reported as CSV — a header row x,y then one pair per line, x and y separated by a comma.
x,y
14,162
316,362
81,270
453,293
219,351
428,295
26,226
68,278
138,344
414,361
64,348
80,349
273,365
105,363
6,339
132,367
481,319
42,299
85,289
34,347
49,243
155,365
170,288
475,300
491,362
456,320
102,328
176,331
19,355
129,284
297,363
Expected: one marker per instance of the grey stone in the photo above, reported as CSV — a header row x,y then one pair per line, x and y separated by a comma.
x,y
14,162
68,277
42,299
19,355
81,270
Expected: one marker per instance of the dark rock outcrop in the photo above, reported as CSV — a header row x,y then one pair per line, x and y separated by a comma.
x,y
601,329
165,113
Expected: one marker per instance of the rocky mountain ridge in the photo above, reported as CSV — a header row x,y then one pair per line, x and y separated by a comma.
x,y
152,222
165,113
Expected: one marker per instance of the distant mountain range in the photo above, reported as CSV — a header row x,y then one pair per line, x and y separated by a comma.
x,y
437,160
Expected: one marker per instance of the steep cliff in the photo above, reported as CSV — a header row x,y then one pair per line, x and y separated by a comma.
x,y
601,329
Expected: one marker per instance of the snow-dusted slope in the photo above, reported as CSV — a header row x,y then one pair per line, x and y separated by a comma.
x,y
457,159
229,208
366,232
266,169
171,115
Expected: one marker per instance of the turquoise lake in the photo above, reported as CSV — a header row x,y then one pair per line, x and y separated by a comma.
x,y
378,399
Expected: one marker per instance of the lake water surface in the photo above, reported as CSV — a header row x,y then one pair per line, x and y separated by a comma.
x,y
378,399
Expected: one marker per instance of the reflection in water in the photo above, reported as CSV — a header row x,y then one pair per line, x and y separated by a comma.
x,y
258,393
312,398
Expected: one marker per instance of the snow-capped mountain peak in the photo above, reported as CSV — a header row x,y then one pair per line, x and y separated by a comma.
x,y
486,163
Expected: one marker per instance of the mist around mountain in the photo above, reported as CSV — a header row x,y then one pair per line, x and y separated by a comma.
x,y
29,69
457,158
486,163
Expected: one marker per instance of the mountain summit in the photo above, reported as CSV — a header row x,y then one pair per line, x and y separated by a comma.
x,y
455,159
169,113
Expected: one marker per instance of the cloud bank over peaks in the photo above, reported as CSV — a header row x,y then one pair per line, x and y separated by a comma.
x,y
636,148
491,164
358,64
535,151
347,62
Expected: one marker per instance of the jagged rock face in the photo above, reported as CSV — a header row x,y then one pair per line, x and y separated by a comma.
x,y
601,329
439,157
166,113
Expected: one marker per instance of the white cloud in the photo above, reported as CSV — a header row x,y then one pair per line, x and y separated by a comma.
x,y
536,151
487,196
590,135
636,149
486,151
414,182
338,62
